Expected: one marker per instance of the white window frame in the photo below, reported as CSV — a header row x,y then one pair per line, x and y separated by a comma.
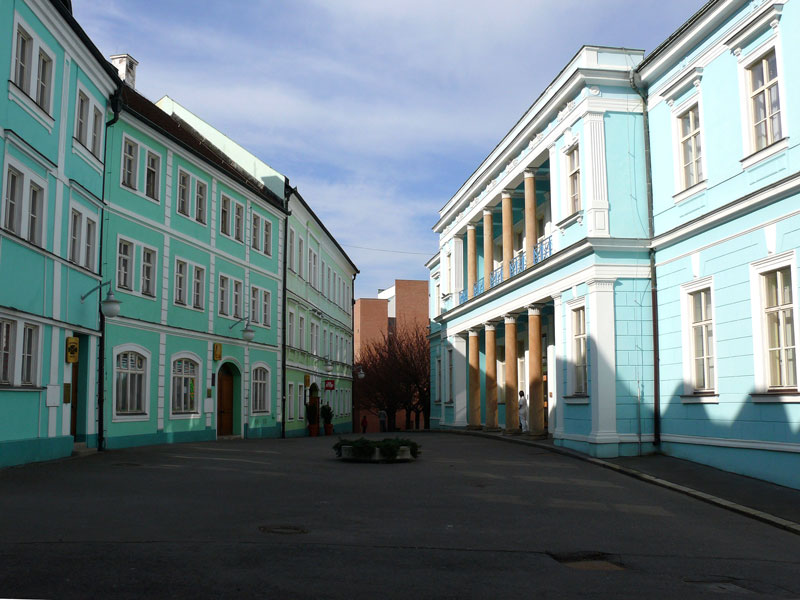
x,y
574,396
266,308
573,148
708,395
8,339
239,222
198,296
225,206
200,201
179,296
156,195
26,94
290,329
196,413
255,231
255,304
183,205
237,298
300,253
35,355
144,416
290,401
129,177
760,355
682,190
26,179
89,144
224,291
301,332
745,62
267,246
266,388
130,264
153,274
290,253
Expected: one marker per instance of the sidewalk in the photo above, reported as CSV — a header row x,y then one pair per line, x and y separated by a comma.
x,y
761,500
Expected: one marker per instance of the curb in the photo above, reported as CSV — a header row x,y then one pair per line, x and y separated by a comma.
x,y
746,511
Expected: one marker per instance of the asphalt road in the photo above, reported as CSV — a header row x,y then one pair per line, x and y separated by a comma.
x,y
473,518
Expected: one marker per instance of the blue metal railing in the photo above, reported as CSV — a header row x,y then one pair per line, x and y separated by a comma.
x,y
517,265
462,296
477,288
497,277
542,250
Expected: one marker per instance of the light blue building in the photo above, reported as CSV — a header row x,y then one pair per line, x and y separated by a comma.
x,y
53,117
637,196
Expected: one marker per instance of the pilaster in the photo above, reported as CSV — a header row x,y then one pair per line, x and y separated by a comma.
x,y
602,363
512,404
596,181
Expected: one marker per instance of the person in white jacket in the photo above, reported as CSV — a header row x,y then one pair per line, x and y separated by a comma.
x,y
523,412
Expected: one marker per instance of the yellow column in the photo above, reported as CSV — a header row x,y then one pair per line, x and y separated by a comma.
x,y
535,389
531,235
508,235
491,378
512,404
488,248
472,260
474,421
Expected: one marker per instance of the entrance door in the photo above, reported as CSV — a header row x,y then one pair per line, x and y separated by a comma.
x,y
225,402
73,419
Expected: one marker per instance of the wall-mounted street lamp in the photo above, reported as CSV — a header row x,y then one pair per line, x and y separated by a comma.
x,y
328,365
110,307
248,334
359,371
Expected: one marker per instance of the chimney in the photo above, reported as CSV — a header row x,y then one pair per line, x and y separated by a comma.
x,y
126,66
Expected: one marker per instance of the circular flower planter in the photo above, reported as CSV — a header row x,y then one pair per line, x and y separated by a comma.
x,y
383,451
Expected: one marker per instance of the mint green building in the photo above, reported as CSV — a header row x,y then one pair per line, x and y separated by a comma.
x,y
319,281
53,131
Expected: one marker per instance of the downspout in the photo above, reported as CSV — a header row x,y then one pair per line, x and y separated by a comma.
x,y
636,84
287,191
353,375
101,359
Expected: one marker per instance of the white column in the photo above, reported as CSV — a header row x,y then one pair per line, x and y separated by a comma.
x,y
460,380
555,417
596,182
602,362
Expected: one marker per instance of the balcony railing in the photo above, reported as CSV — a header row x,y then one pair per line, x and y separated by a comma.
x,y
517,264
497,277
542,250
462,296
478,287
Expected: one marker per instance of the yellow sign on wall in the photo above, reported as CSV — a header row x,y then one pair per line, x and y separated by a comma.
x,y
307,380
217,351
73,347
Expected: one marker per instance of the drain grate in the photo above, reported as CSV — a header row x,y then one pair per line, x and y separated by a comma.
x,y
282,529
587,561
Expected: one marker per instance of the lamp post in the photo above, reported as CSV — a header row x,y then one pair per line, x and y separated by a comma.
x,y
109,307
248,333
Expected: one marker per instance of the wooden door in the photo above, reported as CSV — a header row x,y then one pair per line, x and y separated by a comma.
x,y
225,402
73,420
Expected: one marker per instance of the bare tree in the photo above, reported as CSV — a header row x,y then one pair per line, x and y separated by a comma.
x,y
396,376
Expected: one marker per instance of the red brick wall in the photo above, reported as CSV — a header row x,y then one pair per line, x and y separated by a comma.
x,y
370,322
411,303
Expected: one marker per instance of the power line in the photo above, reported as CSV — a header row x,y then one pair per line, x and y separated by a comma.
x,y
391,251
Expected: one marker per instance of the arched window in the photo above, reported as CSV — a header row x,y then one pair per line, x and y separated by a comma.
x,y
184,384
130,382
260,395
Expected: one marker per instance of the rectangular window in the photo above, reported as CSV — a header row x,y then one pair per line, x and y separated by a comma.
x,y
35,206
260,389
198,289
267,237
44,81
438,397
574,179
579,350
75,238
22,60
690,147
225,216
184,386
450,382
255,296
301,401
180,282
97,129
148,271
765,104
266,308
290,402
290,330
29,354
702,340
82,124
130,377
200,202
780,328
301,332
238,222
223,295
13,200
151,183
88,246
129,164
300,257
6,351
183,193
124,265
255,236
237,299
290,253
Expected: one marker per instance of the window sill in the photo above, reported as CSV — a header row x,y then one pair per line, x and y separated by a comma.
x,y
764,153
132,417
777,397
690,191
28,104
182,416
576,217
21,388
87,155
576,399
700,398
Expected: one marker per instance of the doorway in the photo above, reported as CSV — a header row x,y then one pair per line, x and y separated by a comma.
x,y
227,384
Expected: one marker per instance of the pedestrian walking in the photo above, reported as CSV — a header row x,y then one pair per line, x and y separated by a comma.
x,y
523,412
364,424
382,419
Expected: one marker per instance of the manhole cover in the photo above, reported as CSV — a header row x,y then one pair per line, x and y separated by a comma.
x,y
587,561
282,529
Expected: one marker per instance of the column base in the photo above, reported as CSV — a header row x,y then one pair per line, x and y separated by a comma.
x,y
492,429
516,431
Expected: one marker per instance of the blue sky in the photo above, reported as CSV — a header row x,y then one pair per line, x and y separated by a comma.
x,y
377,110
